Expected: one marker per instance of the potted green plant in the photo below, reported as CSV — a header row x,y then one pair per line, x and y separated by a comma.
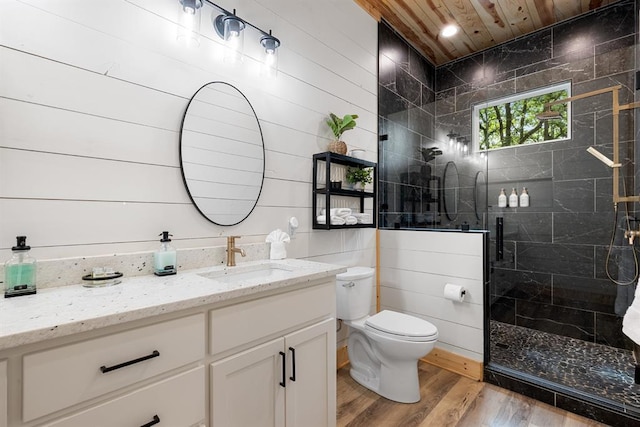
x,y
338,127
359,175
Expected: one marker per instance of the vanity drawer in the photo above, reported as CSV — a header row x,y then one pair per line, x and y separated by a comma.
x,y
255,321
176,402
58,378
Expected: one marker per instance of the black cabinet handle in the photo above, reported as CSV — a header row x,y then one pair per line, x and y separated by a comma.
x,y
156,420
105,369
284,368
293,363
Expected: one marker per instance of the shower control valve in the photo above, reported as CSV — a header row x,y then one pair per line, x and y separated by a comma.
x,y
631,235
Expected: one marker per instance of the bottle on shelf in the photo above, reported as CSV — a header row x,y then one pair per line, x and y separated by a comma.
x,y
524,198
513,199
502,199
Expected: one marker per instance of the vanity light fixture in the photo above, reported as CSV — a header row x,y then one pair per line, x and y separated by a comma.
x,y
270,61
231,28
452,138
462,145
189,28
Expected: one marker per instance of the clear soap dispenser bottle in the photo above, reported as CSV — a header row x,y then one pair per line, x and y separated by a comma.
x,y
524,198
513,199
164,259
20,271
502,199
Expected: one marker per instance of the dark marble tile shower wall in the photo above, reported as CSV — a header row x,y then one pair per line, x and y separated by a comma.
x,y
411,189
406,122
552,277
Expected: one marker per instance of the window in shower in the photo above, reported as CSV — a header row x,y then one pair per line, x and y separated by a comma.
x,y
513,120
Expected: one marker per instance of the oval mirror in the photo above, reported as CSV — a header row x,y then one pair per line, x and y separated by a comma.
x,y
480,195
450,190
222,153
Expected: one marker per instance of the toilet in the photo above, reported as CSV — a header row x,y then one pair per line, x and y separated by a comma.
x,y
383,348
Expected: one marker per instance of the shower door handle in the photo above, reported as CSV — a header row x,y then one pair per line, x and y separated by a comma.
x,y
499,238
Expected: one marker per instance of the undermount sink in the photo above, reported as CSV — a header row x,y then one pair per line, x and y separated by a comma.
x,y
254,273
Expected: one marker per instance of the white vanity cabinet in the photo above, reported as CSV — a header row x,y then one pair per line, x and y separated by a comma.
x,y
243,358
288,380
3,393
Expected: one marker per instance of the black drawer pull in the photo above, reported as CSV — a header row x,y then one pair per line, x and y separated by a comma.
x,y
156,420
105,369
293,363
284,369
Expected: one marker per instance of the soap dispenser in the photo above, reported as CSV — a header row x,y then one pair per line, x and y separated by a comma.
x,y
20,271
502,199
524,198
164,259
513,199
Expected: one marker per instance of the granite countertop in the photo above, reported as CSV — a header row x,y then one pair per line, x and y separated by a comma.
x,y
67,310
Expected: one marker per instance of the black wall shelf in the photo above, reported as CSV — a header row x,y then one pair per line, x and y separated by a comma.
x,y
325,191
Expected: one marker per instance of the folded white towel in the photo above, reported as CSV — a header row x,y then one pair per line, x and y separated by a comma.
x,y
341,212
335,220
278,238
363,218
351,220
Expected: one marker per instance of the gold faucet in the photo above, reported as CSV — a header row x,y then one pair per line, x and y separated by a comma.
x,y
231,250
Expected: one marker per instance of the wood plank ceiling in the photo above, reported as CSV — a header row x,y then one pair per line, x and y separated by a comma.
x,y
482,23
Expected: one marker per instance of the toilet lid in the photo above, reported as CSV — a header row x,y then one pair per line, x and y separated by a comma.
x,y
394,323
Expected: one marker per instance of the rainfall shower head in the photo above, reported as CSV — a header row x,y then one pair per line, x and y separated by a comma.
x,y
604,159
549,114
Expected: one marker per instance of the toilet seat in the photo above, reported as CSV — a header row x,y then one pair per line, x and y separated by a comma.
x,y
401,326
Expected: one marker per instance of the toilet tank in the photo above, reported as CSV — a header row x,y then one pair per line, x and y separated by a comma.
x,y
354,293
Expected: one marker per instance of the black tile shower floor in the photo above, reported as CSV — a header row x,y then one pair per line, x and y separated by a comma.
x,y
599,370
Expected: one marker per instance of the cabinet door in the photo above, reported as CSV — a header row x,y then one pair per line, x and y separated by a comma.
x,y
311,392
3,393
246,390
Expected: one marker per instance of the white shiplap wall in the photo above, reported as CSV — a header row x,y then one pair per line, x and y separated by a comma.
x,y
92,95
414,268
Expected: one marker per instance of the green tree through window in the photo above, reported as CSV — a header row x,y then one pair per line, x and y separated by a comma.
x,y
511,123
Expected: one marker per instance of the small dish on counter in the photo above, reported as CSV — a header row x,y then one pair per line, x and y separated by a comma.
x,y
101,277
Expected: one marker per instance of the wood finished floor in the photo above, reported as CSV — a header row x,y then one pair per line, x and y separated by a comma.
x,y
448,399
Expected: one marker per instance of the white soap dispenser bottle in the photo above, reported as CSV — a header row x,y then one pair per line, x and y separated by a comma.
x,y
502,199
524,198
513,199
164,259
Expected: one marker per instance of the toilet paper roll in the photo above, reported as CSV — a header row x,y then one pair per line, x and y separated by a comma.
x,y
454,292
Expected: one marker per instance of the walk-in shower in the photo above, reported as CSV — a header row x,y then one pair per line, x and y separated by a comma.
x,y
567,265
